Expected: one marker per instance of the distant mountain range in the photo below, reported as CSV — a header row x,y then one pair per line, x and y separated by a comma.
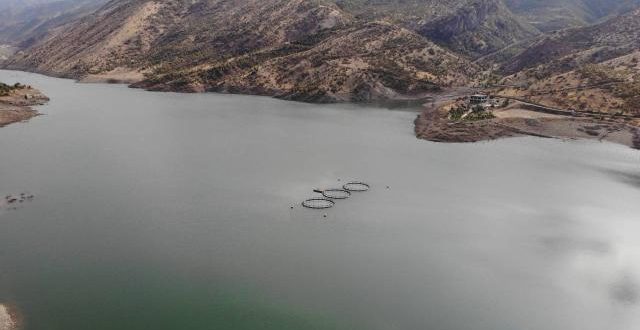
x,y
24,22
314,50
560,14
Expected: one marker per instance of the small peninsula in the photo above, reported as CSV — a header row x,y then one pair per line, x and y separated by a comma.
x,y
16,102
483,117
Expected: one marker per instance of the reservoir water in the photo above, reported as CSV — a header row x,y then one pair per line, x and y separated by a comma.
x,y
173,211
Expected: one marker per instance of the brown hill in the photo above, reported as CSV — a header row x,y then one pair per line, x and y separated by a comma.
x,y
593,68
478,28
568,49
305,50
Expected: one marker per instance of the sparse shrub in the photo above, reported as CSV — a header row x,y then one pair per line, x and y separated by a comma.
x,y
457,112
5,89
481,115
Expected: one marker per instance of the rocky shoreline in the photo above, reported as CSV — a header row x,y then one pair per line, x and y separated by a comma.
x,y
17,105
434,124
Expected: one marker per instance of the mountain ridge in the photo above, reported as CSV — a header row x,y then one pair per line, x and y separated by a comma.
x,y
594,67
321,50
248,46
481,27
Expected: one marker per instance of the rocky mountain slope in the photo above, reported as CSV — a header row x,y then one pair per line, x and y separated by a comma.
x,y
479,28
406,12
305,50
592,68
468,27
568,49
324,50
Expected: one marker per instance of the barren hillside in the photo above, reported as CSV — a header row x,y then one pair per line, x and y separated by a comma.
x,y
479,28
593,68
308,50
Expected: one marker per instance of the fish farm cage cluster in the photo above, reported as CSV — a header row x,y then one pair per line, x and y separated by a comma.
x,y
330,196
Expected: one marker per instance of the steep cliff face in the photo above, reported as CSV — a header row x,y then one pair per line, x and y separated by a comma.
x,y
480,27
299,49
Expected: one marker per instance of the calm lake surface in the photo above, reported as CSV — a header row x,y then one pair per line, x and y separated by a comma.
x,y
172,211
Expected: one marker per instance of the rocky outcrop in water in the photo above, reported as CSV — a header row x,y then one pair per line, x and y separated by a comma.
x,y
16,102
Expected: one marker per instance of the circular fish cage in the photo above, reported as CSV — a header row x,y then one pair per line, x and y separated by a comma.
x,y
356,186
318,203
335,193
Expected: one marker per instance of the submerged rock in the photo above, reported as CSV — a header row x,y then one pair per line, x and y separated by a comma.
x,y
10,201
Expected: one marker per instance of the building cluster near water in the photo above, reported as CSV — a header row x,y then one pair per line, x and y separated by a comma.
x,y
483,100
